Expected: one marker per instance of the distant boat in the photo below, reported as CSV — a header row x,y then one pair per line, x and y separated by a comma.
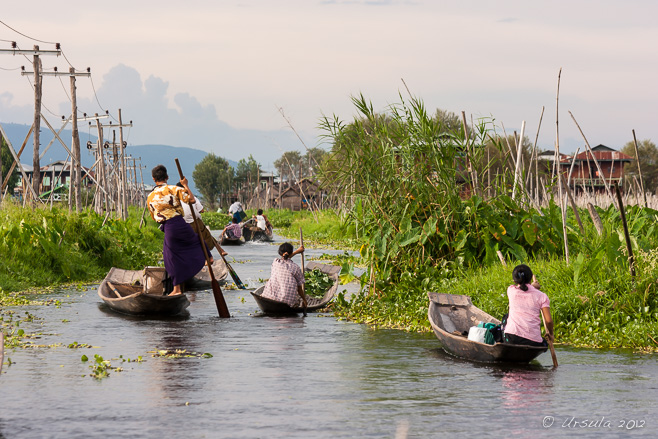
x,y
251,232
452,315
226,240
274,307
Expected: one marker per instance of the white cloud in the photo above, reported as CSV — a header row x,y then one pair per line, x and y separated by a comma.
x,y
227,65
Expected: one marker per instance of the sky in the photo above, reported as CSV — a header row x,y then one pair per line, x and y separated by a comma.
x,y
241,77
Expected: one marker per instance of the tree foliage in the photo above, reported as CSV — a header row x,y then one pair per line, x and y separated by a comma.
x,y
247,176
214,178
289,165
648,161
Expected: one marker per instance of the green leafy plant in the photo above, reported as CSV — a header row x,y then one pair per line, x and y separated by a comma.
x,y
316,283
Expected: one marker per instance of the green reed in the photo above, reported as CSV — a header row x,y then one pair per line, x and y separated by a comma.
x,y
42,247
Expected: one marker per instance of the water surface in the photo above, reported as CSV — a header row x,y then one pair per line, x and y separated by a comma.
x,y
301,377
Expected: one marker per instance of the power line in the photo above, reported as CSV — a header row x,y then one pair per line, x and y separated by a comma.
x,y
26,36
42,104
97,101
67,60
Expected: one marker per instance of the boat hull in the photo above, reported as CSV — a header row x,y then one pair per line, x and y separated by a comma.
x,y
124,297
250,232
230,241
452,315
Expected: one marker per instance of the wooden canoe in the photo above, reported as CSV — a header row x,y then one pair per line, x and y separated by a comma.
x,y
452,315
273,307
130,297
124,292
250,232
230,241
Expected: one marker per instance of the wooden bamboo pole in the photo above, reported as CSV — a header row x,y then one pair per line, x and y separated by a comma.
x,y
559,170
639,170
573,205
5,182
629,247
517,171
598,167
17,161
596,219
533,155
469,164
573,163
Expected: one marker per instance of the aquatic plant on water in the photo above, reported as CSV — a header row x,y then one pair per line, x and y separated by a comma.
x,y
316,283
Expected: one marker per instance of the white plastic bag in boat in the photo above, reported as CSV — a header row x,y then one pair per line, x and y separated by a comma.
x,y
476,334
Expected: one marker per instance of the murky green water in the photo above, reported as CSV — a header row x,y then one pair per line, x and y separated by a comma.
x,y
312,377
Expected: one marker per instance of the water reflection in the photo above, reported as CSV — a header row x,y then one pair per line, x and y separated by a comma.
x,y
184,315
525,388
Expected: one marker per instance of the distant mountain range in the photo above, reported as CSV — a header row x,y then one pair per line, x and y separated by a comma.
x,y
150,155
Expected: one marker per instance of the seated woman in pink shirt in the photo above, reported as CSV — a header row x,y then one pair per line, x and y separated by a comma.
x,y
526,303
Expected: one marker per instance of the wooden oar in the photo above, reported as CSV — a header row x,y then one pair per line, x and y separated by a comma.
x,y
234,275
222,309
301,242
550,343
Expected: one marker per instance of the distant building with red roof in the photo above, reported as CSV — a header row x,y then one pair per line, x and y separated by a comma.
x,y
585,173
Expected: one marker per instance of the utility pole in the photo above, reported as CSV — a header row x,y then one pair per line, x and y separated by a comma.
x,y
36,166
36,64
121,171
123,186
101,168
76,175
76,169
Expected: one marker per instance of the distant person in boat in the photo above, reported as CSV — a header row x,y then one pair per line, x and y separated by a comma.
x,y
236,211
182,252
261,221
233,230
526,304
199,225
286,278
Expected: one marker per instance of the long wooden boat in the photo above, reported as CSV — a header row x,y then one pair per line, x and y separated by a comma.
x,y
452,315
230,241
126,292
2,349
251,232
273,307
141,292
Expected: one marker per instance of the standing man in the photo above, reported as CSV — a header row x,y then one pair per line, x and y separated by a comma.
x,y
236,211
181,250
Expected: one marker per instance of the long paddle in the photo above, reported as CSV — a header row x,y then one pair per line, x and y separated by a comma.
x,y
550,344
216,290
234,275
301,242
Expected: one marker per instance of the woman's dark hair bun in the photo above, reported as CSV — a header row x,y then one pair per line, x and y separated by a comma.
x,y
522,276
285,250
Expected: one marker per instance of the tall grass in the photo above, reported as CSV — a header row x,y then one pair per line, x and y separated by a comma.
x,y
405,181
42,247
